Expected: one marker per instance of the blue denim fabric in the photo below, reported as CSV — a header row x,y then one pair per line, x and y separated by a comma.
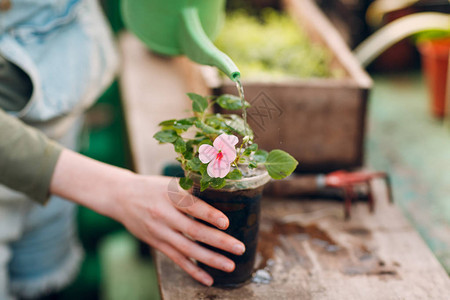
x,y
39,249
68,52
47,254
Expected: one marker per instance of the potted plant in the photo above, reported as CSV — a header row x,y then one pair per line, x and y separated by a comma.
x,y
225,168
434,48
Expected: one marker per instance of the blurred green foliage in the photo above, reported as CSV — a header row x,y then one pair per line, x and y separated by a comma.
x,y
431,35
271,46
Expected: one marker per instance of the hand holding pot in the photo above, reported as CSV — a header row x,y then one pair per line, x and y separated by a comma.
x,y
151,210
156,214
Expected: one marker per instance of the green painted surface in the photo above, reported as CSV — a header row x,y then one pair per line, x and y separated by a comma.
x,y
406,141
126,274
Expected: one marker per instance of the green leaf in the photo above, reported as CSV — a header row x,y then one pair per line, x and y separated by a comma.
x,y
217,183
194,164
215,121
253,147
252,165
202,140
188,155
234,175
184,124
186,183
199,103
231,102
167,123
236,124
180,145
260,156
206,128
166,136
280,164
182,127
204,184
203,170
207,181
189,152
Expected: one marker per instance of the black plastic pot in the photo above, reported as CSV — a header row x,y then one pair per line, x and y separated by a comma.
x,y
242,207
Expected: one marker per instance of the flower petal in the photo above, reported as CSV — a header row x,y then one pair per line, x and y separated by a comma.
x,y
226,143
218,168
207,153
229,155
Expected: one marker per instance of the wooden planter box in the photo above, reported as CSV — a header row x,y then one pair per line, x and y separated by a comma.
x,y
321,122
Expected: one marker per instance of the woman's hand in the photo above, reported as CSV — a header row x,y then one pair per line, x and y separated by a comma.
x,y
152,208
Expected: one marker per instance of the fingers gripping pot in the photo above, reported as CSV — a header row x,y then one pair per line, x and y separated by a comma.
x,y
240,201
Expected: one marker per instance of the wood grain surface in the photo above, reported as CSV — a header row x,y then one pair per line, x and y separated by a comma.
x,y
319,255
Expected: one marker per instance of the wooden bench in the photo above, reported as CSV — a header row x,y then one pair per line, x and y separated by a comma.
x,y
306,245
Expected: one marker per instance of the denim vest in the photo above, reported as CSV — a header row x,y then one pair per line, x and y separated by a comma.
x,y
68,52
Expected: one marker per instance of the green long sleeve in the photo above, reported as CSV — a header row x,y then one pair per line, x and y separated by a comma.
x,y
27,158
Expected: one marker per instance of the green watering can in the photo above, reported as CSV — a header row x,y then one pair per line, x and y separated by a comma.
x,y
177,27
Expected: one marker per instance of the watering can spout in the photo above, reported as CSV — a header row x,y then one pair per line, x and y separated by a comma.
x,y
196,45
180,27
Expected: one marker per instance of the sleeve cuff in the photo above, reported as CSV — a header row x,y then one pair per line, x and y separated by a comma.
x,y
51,155
27,158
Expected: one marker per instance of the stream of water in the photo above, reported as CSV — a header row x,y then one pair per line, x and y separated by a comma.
x,y
240,89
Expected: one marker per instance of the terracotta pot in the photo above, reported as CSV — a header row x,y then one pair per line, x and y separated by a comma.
x,y
240,202
400,56
435,58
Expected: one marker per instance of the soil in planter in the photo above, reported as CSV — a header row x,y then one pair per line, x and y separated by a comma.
x,y
242,208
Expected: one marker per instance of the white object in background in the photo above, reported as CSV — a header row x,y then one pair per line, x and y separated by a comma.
x,y
397,30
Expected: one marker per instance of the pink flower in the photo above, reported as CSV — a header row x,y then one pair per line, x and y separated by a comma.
x,y
220,156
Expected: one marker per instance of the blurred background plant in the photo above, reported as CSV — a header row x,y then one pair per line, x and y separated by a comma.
x,y
269,45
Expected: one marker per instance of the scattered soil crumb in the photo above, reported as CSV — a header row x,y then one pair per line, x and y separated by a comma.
x,y
385,273
359,231
268,240
203,296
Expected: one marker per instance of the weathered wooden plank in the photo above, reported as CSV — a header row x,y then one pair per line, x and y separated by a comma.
x,y
372,256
